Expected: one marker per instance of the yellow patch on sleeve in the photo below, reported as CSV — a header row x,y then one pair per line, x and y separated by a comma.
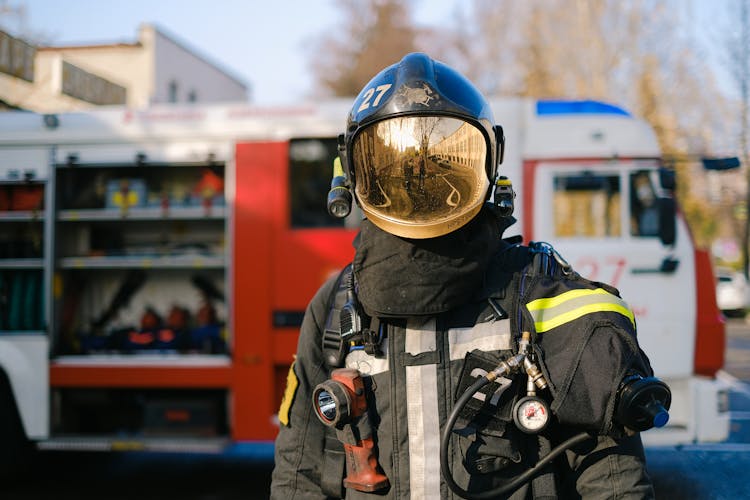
x,y
291,391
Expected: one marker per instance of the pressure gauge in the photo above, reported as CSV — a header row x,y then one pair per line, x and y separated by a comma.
x,y
531,414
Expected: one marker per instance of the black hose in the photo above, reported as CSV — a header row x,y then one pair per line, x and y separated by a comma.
x,y
515,482
446,438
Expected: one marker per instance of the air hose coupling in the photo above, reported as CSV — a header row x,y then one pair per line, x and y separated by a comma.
x,y
535,374
506,367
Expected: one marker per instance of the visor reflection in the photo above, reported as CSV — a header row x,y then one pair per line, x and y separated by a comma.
x,y
420,169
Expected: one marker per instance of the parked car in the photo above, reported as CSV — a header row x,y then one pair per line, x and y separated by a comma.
x,y
732,292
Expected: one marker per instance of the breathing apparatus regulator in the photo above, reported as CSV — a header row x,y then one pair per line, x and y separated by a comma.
x,y
641,403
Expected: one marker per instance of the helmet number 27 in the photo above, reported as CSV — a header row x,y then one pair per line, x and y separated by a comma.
x,y
380,89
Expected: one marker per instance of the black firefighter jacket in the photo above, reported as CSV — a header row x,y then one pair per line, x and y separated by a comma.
x,y
583,332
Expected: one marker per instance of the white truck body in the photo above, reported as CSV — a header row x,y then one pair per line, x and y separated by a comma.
x,y
575,165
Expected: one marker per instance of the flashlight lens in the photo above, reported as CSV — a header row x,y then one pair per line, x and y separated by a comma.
x,y
339,208
326,405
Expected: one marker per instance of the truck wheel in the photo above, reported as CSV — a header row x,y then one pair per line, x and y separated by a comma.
x,y
15,452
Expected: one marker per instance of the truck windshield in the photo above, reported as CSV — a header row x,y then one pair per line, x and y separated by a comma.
x,y
597,205
587,205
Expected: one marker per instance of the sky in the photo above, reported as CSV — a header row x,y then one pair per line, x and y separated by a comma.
x,y
263,42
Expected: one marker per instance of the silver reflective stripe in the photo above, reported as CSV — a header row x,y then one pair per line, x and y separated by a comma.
x,y
422,413
490,336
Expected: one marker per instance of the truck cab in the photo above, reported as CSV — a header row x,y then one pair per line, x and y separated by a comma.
x,y
592,183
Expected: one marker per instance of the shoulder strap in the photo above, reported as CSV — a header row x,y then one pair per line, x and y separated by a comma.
x,y
334,346
348,324
510,259
547,261
334,350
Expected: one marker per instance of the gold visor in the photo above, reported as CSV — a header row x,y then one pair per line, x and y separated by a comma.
x,y
420,176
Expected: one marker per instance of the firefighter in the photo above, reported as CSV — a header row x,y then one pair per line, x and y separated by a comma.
x,y
382,398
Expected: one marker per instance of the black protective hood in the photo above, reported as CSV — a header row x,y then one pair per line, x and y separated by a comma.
x,y
400,277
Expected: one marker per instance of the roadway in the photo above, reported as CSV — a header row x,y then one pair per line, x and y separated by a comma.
x,y
716,471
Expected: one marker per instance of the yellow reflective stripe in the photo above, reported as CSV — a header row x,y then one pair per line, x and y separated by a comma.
x,y
291,391
543,326
564,297
549,313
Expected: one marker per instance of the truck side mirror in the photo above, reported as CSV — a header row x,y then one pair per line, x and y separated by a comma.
x,y
730,163
667,179
667,220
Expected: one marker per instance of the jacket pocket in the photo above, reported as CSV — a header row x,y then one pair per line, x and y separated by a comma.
x,y
486,454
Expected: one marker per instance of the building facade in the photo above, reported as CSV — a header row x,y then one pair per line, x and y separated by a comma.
x,y
157,68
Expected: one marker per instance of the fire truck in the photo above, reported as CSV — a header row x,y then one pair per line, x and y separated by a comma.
x,y
155,264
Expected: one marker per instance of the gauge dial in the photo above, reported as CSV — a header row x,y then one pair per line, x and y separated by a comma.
x,y
531,414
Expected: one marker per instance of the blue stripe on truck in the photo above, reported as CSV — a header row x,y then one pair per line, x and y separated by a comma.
x,y
560,107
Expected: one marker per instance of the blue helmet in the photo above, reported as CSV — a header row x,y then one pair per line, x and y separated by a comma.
x,y
421,148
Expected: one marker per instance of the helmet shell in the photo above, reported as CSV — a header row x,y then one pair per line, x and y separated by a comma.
x,y
420,85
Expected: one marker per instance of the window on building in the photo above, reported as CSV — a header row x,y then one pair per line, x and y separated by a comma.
x,y
587,205
172,91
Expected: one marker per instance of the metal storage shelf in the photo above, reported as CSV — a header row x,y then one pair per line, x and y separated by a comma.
x,y
141,262
149,213
144,359
179,444
21,263
22,216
